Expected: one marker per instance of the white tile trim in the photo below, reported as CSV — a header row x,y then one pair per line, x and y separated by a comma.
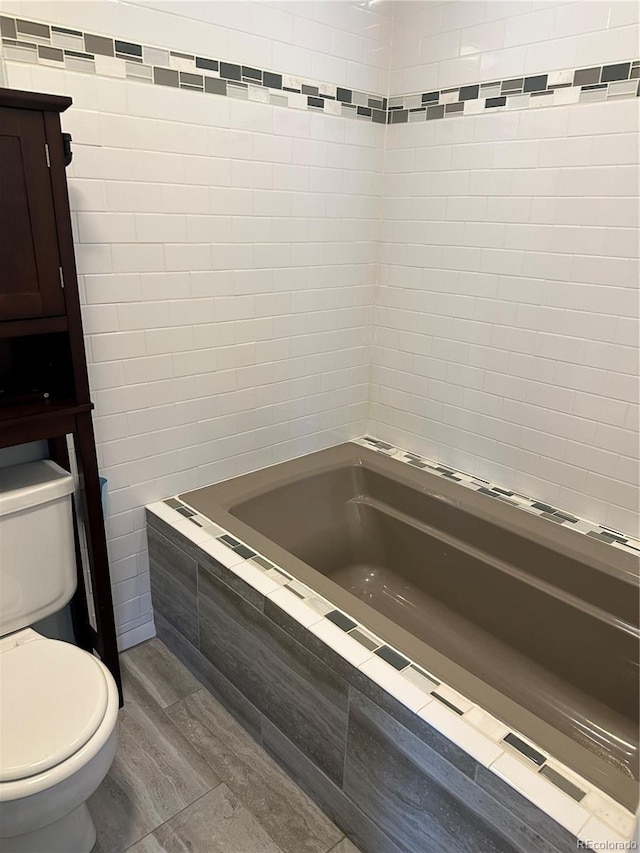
x,y
390,679
453,727
221,553
295,607
341,642
595,832
541,793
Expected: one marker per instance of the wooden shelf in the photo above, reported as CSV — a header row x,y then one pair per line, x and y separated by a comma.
x,y
39,326
37,408
42,342
39,421
34,100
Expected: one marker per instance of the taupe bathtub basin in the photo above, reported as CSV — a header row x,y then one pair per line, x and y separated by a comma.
x,y
536,623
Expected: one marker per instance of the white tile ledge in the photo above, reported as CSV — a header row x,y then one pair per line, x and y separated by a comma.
x,y
221,553
542,793
390,679
455,728
596,835
341,642
294,606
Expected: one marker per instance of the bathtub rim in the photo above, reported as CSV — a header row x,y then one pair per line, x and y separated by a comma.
x,y
227,494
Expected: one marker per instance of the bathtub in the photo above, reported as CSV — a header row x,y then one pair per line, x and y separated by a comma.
x,y
533,623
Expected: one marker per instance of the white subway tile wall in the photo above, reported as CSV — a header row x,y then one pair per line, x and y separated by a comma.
x,y
239,262
226,251
506,319
436,45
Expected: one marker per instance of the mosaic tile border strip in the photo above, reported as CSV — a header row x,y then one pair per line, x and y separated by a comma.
x,y
524,502
44,44
557,88
59,47
577,805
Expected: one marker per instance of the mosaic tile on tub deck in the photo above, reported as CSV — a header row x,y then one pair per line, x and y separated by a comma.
x,y
449,724
609,811
387,677
505,752
342,643
294,606
542,792
366,638
486,723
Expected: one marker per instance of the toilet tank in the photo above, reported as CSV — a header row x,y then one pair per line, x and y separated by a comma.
x,y
37,550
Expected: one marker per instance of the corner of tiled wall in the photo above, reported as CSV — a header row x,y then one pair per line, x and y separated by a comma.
x,y
254,287
507,310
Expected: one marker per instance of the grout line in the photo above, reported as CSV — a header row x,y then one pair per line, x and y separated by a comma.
x,y
168,820
223,781
335,846
187,695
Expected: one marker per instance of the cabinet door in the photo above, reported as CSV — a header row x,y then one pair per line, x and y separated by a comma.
x,y
30,283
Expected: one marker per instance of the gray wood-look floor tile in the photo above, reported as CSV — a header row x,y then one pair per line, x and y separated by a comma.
x,y
212,679
156,773
216,823
290,817
160,672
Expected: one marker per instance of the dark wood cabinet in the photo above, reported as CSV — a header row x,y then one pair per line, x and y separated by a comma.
x,y
31,278
44,389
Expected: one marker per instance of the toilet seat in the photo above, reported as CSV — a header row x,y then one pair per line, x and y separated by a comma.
x,y
54,698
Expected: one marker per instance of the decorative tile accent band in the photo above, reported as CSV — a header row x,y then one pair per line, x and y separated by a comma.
x,y
570,799
543,510
557,88
59,47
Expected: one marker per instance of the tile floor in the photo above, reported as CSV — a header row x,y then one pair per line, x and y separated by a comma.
x,y
187,777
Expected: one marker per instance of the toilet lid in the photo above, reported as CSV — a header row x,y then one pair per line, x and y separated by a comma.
x,y
53,697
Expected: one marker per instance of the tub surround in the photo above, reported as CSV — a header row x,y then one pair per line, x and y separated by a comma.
x,y
504,219
503,345
230,612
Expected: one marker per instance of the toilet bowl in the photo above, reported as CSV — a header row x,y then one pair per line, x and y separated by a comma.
x,y
58,736
58,703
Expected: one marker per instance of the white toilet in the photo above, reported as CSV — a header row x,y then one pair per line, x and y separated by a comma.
x,y
58,703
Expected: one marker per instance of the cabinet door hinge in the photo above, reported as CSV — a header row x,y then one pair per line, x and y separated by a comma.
x,y
46,152
61,278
